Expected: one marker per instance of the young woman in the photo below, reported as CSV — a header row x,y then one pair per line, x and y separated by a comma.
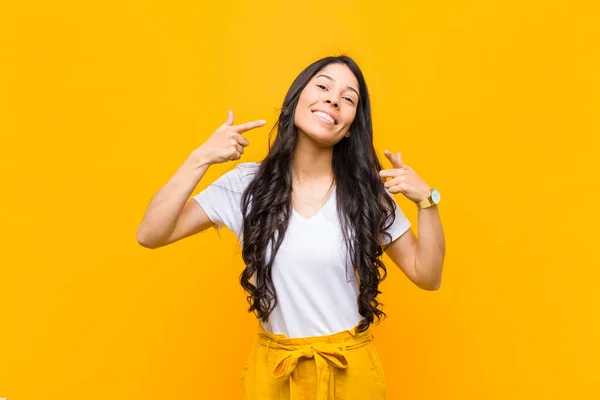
x,y
313,217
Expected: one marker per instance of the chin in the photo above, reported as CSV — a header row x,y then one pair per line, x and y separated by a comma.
x,y
321,137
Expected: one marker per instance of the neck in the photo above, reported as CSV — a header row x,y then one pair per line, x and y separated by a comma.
x,y
311,164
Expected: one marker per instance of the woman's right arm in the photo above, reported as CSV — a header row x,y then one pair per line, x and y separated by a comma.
x,y
172,215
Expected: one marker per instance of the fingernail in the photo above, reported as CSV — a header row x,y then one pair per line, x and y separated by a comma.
x,y
262,121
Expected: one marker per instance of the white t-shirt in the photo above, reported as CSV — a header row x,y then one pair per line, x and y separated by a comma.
x,y
315,297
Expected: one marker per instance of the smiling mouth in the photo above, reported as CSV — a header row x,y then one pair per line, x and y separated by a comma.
x,y
323,115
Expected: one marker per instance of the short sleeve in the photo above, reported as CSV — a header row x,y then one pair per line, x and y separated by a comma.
x,y
221,200
400,225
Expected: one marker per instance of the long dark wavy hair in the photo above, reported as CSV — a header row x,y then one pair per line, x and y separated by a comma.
x,y
365,209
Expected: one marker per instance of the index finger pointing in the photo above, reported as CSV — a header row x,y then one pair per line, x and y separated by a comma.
x,y
248,125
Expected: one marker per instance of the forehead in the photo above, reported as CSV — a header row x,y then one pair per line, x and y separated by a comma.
x,y
341,74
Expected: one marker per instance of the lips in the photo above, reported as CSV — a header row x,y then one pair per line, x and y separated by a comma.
x,y
325,115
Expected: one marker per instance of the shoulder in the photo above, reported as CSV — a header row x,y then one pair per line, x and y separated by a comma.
x,y
247,170
239,177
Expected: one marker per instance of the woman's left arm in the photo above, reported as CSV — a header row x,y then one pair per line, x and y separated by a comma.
x,y
421,259
431,246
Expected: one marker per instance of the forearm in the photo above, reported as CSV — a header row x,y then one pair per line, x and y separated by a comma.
x,y
166,205
431,248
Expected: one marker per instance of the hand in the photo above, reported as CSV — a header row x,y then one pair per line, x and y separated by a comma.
x,y
226,143
403,179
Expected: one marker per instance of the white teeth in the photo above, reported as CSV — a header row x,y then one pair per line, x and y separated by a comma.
x,y
324,115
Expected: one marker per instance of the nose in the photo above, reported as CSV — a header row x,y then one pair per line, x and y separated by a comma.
x,y
335,104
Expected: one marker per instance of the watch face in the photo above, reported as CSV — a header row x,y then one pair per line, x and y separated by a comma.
x,y
435,196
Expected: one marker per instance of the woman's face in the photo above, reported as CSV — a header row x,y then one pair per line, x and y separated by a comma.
x,y
328,104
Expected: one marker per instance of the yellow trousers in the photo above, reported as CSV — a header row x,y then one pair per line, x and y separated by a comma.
x,y
344,365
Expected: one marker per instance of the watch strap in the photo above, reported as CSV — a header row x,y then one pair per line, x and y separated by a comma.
x,y
426,203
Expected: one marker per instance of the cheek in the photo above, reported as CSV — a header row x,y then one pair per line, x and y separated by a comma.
x,y
349,116
307,98
302,108
302,104
301,117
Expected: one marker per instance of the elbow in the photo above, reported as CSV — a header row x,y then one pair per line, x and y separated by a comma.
x,y
429,279
144,241
431,285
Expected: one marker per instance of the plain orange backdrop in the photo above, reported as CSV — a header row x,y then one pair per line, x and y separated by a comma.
x,y
496,103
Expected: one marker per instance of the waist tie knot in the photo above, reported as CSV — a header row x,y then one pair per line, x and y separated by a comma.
x,y
328,351
326,355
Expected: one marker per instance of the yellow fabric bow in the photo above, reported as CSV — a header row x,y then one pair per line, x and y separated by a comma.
x,y
327,356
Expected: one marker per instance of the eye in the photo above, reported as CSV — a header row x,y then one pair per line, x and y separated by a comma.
x,y
349,99
322,87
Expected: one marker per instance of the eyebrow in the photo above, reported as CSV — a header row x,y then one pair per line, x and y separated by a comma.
x,y
349,87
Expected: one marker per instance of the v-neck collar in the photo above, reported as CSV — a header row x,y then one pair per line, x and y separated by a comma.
x,y
329,199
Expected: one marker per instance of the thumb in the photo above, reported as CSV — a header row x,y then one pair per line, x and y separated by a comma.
x,y
229,121
396,160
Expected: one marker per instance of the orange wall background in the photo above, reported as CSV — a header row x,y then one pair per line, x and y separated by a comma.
x,y
496,103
